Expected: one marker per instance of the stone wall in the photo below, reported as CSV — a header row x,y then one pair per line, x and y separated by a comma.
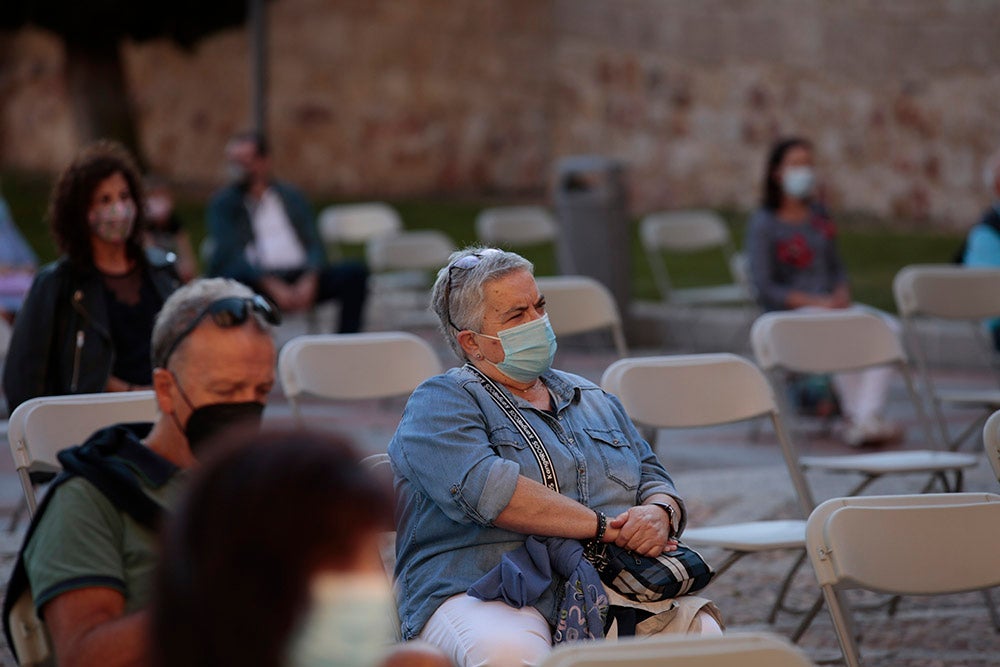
x,y
471,97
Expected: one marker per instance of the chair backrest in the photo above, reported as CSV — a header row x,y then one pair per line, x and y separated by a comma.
x,y
695,390
380,465
29,635
516,225
5,333
684,231
40,427
991,440
947,291
355,366
577,304
880,543
757,649
833,341
422,250
357,223
824,342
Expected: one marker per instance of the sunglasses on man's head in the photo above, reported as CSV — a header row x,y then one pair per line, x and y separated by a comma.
x,y
227,313
465,263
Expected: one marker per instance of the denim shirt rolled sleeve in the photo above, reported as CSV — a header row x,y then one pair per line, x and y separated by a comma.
x,y
457,457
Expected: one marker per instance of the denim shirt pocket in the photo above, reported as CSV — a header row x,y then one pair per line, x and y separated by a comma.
x,y
620,462
508,443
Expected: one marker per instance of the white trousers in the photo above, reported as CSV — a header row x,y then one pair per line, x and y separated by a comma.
x,y
863,394
474,633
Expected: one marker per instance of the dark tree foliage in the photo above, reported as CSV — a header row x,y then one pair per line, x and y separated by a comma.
x,y
93,30
96,23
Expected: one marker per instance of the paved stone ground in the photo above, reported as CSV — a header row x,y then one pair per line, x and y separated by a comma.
x,y
726,474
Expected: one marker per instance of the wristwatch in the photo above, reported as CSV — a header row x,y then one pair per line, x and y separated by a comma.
x,y
672,513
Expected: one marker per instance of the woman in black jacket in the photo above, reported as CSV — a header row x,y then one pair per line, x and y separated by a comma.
x,y
85,325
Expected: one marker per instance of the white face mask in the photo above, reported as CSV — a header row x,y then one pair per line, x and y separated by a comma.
x,y
349,623
798,182
113,222
158,207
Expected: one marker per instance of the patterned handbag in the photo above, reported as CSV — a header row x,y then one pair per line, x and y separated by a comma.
x,y
638,578
647,579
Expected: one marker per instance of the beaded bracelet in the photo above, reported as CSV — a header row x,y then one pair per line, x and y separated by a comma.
x,y
602,525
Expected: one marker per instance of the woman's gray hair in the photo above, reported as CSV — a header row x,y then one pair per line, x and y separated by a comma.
x,y
187,303
457,296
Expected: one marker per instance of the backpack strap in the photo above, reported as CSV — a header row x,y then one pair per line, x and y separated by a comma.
x,y
102,462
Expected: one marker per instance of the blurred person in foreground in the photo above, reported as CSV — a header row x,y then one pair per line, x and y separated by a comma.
x,y
165,230
17,265
89,554
791,245
273,560
470,491
265,236
982,245
85,325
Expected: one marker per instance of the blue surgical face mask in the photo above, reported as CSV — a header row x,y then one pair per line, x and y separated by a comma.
x,y
528,349
798,182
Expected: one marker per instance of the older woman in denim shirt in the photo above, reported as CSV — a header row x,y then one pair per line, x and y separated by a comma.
x,y
470,488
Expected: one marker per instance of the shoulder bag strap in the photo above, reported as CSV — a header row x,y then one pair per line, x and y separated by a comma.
x,y
523,427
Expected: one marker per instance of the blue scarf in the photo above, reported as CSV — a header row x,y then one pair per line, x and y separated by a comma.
x,y
528,571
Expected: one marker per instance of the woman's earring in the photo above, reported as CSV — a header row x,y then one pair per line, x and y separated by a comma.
x,y
479,355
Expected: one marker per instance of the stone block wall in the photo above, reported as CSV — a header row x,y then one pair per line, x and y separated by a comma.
x,y
470,97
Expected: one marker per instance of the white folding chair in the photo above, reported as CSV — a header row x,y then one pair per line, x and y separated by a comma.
x,y
359,366
880,543
578,304
991,440
357,223
403,266
379,464
849,340
948,292
757,649
699,390
516,225
40,427
685,232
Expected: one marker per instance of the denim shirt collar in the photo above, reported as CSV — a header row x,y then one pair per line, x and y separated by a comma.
x,y
564,393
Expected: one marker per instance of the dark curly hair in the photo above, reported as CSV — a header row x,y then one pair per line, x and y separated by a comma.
x,y
771,198
73,192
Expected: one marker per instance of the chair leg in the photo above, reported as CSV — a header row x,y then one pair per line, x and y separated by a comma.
x,y
779,602
15,517
865,483
975,427
807,619
992,609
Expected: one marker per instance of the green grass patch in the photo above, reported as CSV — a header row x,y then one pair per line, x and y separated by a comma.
x,y
872,250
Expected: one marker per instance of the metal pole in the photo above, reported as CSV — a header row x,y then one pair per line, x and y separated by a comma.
x,y
258,64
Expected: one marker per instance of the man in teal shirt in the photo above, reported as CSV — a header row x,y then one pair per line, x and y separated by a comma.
x,y
89,555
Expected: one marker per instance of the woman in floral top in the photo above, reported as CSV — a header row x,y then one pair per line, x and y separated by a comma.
x,y
794,263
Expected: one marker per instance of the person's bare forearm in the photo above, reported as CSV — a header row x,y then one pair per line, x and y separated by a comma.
x,y
535,509
120,642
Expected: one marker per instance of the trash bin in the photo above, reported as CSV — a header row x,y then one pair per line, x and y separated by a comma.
x,y
592,209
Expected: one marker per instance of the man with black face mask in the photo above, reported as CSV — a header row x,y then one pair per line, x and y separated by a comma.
x,y
265,236
90,553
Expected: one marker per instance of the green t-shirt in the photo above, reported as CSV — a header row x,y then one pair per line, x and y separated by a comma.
x,y
83,541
